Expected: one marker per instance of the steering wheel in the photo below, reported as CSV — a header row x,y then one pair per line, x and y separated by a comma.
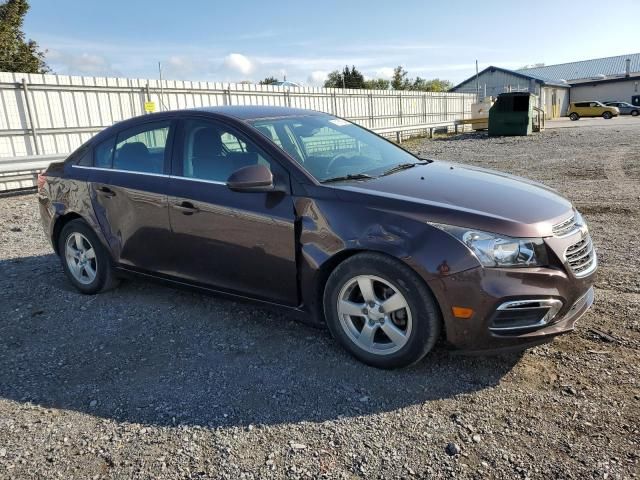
x,y
342,158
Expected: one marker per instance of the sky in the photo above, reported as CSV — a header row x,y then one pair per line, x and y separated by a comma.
x,y
229,41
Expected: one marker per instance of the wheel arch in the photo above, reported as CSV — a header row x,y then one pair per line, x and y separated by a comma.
x,y
338,258
59,224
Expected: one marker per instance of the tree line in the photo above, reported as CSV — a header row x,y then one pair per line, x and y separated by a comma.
x,y
352,78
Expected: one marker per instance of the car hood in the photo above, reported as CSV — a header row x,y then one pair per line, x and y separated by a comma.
x,y
456,194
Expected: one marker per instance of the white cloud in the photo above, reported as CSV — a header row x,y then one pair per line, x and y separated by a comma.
x,y
80,64
317,62
384,72
317,77
176,61
238,63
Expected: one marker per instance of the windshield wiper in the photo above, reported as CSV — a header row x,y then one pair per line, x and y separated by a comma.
x,y
402,166
351,176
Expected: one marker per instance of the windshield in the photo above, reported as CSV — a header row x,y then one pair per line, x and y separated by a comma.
x,y
330,148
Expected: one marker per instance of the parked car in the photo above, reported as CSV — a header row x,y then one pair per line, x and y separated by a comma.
x,y
625,108
322,217
591,109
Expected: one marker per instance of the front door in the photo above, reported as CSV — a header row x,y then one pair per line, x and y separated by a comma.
x,y
129,183
239,242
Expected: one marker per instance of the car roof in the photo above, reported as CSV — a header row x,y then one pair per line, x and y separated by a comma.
x,y
253,112
239,112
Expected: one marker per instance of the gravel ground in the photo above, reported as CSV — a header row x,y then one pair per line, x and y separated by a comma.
x,y
151,382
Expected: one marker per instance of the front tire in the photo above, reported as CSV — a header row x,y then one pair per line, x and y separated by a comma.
x,y
634,113
381,311
607,115
85,260
574,116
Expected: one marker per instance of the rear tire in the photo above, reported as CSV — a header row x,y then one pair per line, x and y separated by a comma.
x,y
85,261
574,116
607,115
381,311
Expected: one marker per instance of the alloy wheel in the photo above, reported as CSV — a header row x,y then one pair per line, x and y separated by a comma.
x,y
374,314
81,258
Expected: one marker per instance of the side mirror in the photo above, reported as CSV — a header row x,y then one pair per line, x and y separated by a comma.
x,y
254,178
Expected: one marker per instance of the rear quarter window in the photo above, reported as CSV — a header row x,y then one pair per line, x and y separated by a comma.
x,y
103,153
81,156
86,159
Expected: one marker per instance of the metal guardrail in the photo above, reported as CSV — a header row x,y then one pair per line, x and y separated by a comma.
x,y
14,165
426,127
20,173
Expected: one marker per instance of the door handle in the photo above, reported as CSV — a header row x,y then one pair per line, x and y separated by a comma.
x,y
187,208
106,192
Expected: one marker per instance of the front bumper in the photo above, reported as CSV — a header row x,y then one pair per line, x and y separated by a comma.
x,y
486,289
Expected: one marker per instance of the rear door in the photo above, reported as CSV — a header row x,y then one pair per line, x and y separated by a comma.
x,y
235,241
129,186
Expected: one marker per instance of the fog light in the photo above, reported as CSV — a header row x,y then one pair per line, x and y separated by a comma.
x,y
518,315
462,312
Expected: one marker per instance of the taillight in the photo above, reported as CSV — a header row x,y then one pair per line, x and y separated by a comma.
x,y
42,179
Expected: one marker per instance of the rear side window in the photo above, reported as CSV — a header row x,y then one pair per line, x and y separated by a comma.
x,y
582,104
142,148
103,153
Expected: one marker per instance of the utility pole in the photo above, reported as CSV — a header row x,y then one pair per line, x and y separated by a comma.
x,y
161,92
477,83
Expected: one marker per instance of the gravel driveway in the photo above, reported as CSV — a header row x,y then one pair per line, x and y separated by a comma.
x,y
151,382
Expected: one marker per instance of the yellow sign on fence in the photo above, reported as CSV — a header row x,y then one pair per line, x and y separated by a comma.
x,y
149,107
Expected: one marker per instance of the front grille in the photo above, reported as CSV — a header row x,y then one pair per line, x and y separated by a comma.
x,y
563,228
581,257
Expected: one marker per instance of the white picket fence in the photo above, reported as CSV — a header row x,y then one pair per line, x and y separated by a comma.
x,y
54,114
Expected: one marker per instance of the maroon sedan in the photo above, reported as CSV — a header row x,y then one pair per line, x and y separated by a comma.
x,y
318,215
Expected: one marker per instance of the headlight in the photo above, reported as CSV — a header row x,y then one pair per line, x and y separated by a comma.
x,y
493,250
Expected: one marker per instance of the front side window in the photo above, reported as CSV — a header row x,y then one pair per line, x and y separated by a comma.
x,y
142,148
329,147
212,151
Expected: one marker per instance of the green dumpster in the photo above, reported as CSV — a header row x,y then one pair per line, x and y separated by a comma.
x,y
512,114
